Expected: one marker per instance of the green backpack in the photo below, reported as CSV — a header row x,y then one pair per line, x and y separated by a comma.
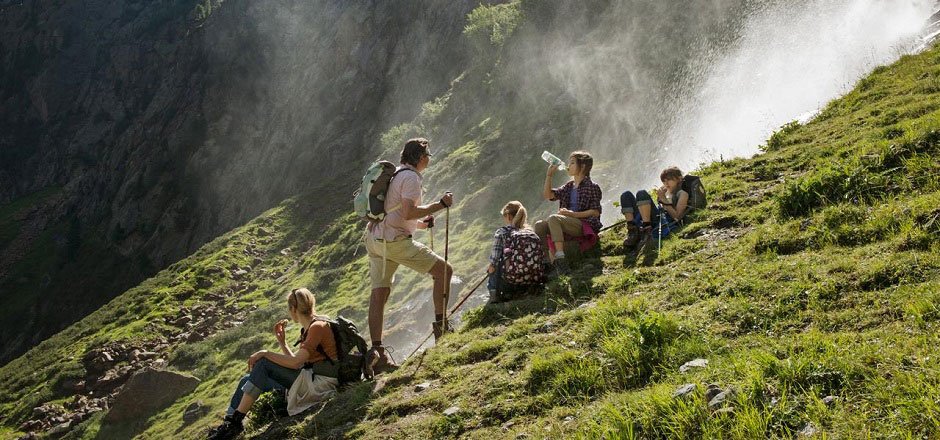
x,y
369,199
349,364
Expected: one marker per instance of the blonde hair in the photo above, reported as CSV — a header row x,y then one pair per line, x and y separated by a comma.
x,y
303,301
518,213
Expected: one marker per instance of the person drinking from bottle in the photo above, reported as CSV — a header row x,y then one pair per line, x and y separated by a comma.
x,y
389,244
674,200
579,210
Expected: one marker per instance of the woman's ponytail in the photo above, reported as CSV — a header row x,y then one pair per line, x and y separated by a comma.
x,y
518,213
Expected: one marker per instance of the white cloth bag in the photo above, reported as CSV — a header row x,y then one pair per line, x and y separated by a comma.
x,y
309,389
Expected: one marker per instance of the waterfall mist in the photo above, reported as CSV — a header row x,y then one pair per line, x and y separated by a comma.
x,y
787,64
663,83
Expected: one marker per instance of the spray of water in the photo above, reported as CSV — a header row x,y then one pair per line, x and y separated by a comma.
x,y
669,83
787,64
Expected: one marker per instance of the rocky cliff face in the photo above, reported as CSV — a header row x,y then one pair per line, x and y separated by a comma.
x,y
159,125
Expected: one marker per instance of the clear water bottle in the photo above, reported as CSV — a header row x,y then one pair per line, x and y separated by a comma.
x,y
553,160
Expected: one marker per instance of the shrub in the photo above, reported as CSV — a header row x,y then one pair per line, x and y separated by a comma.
x,y
778,140
490,25
269,407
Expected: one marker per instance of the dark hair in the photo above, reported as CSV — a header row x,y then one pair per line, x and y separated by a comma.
x,y
413,150
584,160
670,173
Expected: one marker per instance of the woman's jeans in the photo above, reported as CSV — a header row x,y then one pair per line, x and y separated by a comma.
x,y
265,376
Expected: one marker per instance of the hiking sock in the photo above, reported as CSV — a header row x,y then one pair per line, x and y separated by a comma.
x,y
647,225
559,254
438,317
377,344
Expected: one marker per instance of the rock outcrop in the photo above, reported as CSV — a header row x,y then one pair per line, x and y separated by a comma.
x,y
149,390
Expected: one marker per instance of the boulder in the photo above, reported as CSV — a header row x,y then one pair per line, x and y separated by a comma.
x,y
711,391
695,363
147,391
810,430
61,428
721,399
112,379
684,390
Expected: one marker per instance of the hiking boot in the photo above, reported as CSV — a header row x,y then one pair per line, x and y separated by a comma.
x,y
495,297
228,430
645,235
561,266
633,236
550,271
439,328
378,360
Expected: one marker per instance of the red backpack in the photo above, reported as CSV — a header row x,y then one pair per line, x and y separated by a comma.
x,y
522,258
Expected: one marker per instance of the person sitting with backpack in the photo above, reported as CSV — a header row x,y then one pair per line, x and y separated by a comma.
x,y
278,371
672,196
515,261
579,213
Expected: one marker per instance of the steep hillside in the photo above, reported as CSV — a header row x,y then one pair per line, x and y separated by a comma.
x,y
133,132
809,289
810,285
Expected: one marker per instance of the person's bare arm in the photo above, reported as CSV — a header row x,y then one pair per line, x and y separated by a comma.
x,y
279,334
295,361
411,212
679,210
547,192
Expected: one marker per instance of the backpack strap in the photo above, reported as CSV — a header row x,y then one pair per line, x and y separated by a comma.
x,y
398,206
320,348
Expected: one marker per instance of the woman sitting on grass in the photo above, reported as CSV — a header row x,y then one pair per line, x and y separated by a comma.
x,y
579,207
277,371
516,258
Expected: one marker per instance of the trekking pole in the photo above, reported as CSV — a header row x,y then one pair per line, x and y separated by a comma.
x,y
431,235
611,226
659,248
452,311
446,249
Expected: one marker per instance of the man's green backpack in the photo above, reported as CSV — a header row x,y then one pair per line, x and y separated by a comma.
x,y
369,199
348,363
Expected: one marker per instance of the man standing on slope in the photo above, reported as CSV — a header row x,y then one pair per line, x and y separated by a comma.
x,y
390,244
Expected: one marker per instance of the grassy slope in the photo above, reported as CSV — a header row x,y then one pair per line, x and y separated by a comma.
x,y
814,273
787,307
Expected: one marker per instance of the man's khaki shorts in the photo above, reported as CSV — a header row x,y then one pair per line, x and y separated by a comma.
x,y
386,256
